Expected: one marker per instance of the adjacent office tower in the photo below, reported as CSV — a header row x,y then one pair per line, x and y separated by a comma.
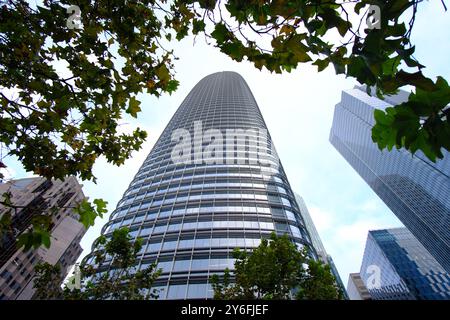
x,y
356,289
414,188
317,244
35,196
397,266
211,183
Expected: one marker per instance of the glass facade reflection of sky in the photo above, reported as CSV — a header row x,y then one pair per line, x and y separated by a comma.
x,y
407,270
414,188
192,216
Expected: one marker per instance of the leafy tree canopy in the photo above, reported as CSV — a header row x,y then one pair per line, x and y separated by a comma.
x,y
58,124
275,270
121,282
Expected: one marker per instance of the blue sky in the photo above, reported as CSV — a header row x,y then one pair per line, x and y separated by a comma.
x,y
298,109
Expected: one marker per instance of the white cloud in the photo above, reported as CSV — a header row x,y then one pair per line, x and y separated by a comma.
x,y
323,220
355,231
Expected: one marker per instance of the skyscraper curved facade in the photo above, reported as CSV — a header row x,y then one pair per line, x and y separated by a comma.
x,y
211,183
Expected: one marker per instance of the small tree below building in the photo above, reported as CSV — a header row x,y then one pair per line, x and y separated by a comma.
x,y
276,270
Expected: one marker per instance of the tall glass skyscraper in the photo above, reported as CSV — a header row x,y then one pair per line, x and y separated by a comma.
x,y
404,268
211,183
414,188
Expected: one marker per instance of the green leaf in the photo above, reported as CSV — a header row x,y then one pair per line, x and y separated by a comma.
x,y
25,240
234,50
299,50
133,107
397,30
416,79
389,67
45,239
359,6
6,197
